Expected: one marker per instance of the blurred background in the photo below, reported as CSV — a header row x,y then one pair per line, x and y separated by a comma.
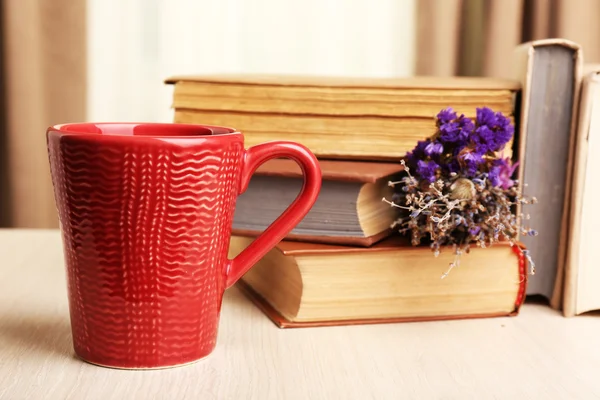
x,y
106,60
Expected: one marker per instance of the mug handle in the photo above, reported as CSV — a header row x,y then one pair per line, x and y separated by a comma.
x,y
253,157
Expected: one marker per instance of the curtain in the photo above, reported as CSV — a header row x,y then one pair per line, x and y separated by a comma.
x,y
106,60
44,83
76,60
477,37
151,40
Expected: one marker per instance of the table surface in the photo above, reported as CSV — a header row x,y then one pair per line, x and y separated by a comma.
x,y
536,355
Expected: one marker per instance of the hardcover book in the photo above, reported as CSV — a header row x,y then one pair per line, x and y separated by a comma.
x,y
550,72
337,118
582,272
349,209
300,284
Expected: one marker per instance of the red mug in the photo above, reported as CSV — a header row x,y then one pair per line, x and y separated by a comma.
x,y
145,214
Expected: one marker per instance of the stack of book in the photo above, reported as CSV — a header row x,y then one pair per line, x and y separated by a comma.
x,y
343,264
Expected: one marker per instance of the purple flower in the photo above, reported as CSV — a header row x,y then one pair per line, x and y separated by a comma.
x,y
485,116
420,147
449,131
495,170
493,130
484,139
418,153
504,131
474,230
427,170
456,132
446,116
452,133
470,162
460,146
504,173
434,148
450,166
466,124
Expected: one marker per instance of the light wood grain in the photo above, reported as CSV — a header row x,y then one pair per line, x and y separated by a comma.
x,y
537,355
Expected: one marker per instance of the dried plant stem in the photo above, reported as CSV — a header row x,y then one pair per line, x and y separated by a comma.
x,y
453,264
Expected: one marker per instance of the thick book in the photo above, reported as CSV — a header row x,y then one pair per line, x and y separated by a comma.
x,y
582,271
337,118
550,72
338,96
349,209
299,284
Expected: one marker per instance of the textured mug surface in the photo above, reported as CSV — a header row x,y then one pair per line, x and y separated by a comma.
x,y
145,212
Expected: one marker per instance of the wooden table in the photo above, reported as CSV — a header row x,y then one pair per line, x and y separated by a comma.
x,y
537,355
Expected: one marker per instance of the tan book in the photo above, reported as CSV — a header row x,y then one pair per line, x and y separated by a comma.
x,y
386,139
337,118
421,97
301,284
582,271
349,209
550,73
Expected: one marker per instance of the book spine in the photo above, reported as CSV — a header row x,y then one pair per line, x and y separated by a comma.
x,y
521,293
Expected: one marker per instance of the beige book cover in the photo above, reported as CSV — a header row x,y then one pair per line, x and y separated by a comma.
x,y
416,82
582,270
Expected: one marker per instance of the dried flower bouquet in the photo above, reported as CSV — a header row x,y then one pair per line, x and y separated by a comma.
x,y
458,189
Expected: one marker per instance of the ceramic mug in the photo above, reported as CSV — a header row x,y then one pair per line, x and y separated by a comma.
x,y
145,213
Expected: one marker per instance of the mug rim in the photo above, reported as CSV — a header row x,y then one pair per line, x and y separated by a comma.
x,y
176,129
